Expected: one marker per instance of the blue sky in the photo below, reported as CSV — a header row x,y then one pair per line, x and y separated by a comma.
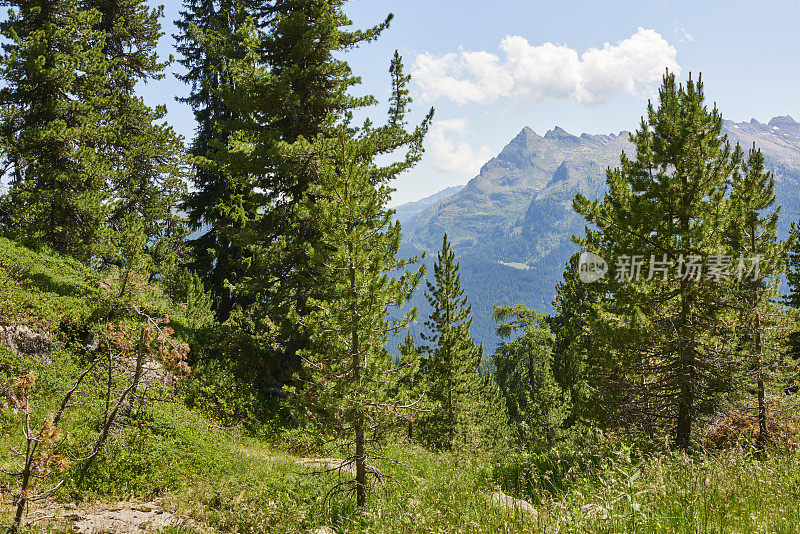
x,y
488,71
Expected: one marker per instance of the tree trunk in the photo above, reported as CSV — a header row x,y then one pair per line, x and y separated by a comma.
x,y
361,468
361,459
137,373
761,441
686,370
30,452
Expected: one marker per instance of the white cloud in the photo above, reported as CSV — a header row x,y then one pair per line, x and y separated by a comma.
x,y
452,155
547,71
681,34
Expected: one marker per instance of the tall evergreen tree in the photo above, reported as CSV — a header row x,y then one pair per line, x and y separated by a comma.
x,y
349,373
146,156
223,201
577,368
451,359
753,233
288,84
792,297
53,98
411,385
91,171
668,204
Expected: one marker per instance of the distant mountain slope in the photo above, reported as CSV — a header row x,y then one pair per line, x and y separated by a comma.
x,y
407,212
512,224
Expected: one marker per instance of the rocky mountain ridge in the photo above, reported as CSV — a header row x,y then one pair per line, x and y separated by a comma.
x,y
511,225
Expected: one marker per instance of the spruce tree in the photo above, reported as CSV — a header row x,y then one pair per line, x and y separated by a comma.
x,y
91,171
222,201
792,297
667,205
451,359
411,385
289,84
147,178
577,368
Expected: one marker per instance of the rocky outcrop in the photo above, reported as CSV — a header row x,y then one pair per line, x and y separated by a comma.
x,y
122,517
152,372
25,341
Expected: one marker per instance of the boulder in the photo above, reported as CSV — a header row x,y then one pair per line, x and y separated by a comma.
x,y
25,341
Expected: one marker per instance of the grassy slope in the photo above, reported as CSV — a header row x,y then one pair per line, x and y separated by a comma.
x,y
235,482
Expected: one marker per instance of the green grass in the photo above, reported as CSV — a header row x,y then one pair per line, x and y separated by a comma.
x,y
262,490
44,290
234,482
247,478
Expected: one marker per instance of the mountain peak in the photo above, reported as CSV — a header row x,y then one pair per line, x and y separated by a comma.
x,y
525,136
559,133
782,120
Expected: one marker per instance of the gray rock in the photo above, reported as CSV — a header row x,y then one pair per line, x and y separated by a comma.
x,y
513,504
593,512
25,341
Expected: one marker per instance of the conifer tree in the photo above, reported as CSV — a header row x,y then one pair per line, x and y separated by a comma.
x,y
146,156
523,371
576,367
792,298
54,93
288,84
667,205
451,359
753,233
91,171
222,202
349,373
411,385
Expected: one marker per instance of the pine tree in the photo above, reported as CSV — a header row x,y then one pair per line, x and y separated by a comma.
x,y
287,84
536,405
146,157
668,204
349,373
91,171
411,386
54,92
792,298
753,233
222,202
451,360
